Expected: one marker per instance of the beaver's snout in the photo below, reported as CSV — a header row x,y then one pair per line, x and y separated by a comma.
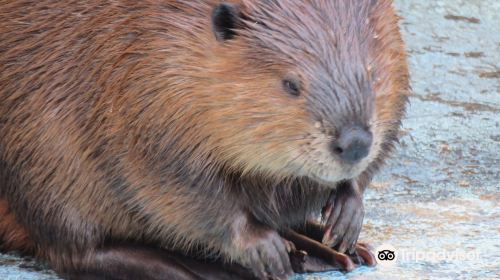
x,y
353,144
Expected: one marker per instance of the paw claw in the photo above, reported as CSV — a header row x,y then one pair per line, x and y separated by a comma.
x,y
365,254
268,257
343,247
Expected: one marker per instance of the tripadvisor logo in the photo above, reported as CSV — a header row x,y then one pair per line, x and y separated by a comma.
x,y
386,255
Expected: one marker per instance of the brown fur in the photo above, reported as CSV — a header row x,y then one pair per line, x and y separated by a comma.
x,y
13,236
127,120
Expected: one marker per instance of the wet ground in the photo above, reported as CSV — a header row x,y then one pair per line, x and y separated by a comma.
x,y
437,202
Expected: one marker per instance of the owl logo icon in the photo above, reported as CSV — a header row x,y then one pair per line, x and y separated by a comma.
x,y
386,255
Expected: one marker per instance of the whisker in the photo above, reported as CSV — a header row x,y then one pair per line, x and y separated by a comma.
x,y
273,139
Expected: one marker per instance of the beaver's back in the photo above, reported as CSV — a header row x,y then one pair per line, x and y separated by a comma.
x,y
65,78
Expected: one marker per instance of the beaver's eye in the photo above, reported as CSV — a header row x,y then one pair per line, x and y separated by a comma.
x,y
291,87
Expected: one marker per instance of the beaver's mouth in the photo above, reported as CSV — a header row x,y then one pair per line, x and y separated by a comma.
x,y
320,165
336,172
329,178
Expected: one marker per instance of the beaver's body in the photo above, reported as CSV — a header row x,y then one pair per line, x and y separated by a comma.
x,y
133,121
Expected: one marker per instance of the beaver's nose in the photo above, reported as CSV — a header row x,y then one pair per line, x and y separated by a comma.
x,y
353,144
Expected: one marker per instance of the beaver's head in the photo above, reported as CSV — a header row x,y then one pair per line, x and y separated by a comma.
x,y
303,88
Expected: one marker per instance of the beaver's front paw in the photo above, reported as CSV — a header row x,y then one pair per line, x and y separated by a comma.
x,y
265,253
343,216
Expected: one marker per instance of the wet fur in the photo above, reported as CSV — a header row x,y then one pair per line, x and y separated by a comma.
x,y
102,138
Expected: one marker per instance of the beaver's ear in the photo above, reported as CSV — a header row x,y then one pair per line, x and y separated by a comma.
x,y
225,19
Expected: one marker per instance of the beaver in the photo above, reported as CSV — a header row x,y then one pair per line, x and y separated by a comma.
x,y
191,126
